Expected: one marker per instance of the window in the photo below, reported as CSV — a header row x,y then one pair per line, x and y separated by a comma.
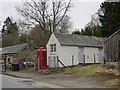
x,y
53,47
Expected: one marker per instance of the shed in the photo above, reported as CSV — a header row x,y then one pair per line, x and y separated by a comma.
x,y
73,49
112,47
11,51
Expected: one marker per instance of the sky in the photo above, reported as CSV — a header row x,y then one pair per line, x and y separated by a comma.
x,y
80,13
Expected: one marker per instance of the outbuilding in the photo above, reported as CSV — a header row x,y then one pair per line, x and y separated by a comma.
x,y
112,47
10,52
71,49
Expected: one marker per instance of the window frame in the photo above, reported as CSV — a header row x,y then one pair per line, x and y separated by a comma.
x,y
52,47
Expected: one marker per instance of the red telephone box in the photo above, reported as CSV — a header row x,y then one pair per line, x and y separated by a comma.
x,y
41,62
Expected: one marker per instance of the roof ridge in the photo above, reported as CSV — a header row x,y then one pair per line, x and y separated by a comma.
x,y
15,45
76,35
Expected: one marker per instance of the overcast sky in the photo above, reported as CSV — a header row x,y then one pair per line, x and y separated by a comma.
x,y
80,13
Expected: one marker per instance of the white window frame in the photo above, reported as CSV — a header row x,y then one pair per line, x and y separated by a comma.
x,y
52,47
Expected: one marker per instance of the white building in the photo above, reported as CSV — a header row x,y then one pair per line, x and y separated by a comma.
x,y
73,49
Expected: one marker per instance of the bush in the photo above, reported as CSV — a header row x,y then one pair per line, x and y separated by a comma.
x,y
9,67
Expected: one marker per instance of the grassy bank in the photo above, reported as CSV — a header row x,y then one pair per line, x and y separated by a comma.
x,y
99,71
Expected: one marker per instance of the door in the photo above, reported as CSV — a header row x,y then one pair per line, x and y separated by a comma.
x,y
44,60
96,58
37,63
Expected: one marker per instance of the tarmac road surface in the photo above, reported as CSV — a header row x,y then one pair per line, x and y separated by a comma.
x,y
13,82
28,84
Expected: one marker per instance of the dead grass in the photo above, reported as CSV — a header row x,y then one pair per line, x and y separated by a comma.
x,y
112,74
111,82
97,70
83,70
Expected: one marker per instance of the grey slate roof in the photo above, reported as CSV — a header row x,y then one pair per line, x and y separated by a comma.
x,y
13,49
80,40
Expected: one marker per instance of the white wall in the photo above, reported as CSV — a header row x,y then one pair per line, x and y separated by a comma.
x,y
101,55
89,53
66,53
80,54
51,55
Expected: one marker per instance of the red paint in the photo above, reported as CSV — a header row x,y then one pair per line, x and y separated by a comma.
x,y
41,60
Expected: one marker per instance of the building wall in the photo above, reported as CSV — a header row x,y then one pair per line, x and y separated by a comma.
x,y
81,54
69,55
91,55
111,47
101,55
72,55
52,56
119,50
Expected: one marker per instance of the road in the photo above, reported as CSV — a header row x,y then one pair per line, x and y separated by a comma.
x,y
12,82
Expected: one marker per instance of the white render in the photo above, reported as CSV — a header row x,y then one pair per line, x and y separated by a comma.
x,y
66,53
91,55
50,55
72,55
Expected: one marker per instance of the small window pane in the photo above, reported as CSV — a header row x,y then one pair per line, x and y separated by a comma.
x,y
51,47
54,47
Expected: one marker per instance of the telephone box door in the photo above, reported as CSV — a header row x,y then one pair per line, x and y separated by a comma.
x,y
43,60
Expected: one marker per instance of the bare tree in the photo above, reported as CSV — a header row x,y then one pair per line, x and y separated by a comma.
x,y
65,25
47,13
